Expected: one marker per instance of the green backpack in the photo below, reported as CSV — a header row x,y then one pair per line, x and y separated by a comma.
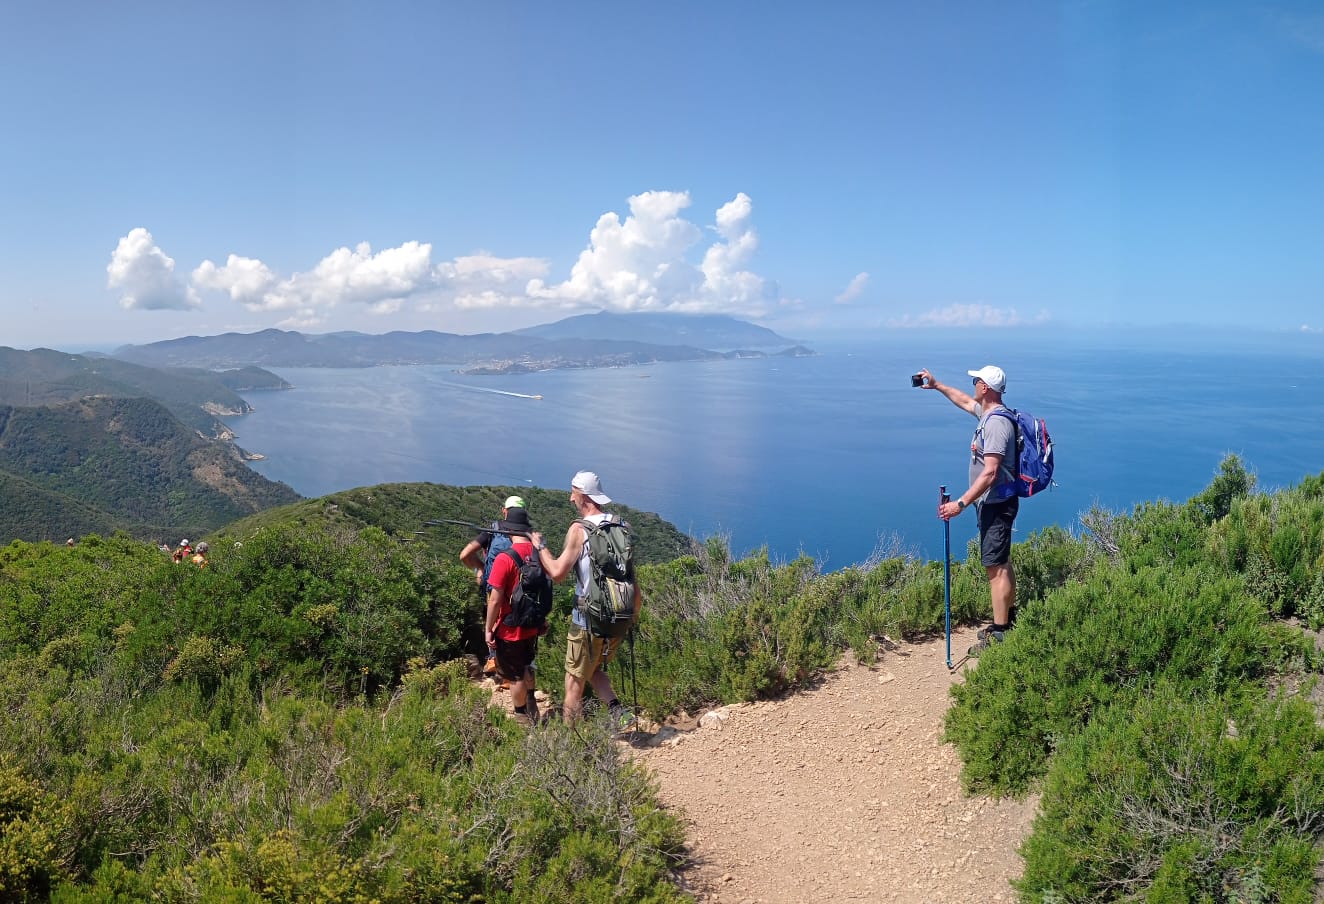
x,y
608,608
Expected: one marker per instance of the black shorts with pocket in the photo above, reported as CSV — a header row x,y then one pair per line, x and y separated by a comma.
x,y
995,521
513,657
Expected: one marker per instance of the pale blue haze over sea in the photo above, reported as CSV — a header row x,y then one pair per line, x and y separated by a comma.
x,y
830,455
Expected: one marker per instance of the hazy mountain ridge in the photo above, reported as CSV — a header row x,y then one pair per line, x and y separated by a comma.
x,y
594,340
708,331
194,395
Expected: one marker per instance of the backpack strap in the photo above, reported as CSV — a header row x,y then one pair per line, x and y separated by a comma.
x,y
1011,414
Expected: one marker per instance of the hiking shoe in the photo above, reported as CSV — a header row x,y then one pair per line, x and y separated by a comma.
x,y
987,637
621,718
531,710
489,668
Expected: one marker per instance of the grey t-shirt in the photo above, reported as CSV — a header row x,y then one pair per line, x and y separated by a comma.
x,y
994,435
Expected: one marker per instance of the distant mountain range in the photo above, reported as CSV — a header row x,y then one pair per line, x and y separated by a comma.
x,y
592,340
134,441
707,331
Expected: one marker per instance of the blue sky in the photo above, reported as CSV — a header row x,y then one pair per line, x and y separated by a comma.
x,y
173,169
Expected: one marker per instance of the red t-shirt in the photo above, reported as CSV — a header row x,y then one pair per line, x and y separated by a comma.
x,y
504,576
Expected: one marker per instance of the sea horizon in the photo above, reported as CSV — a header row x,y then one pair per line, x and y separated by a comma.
x,y
834,456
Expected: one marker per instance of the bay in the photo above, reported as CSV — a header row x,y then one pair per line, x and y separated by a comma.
x,y
835,455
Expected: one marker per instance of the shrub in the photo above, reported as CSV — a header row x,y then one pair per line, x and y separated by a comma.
x,y
1100,643
36,846
1169,798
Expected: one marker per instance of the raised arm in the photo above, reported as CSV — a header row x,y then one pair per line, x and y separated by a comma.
x,y
957,397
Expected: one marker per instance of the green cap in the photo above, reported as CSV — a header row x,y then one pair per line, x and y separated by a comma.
x,y
513,502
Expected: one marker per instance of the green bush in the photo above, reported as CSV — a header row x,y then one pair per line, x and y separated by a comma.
x,y
1169,798
35,843
1100,643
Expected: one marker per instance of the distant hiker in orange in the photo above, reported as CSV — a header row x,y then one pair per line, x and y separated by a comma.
x,y
199,557
182,551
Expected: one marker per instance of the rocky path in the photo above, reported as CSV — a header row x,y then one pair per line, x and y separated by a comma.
x,y
841,793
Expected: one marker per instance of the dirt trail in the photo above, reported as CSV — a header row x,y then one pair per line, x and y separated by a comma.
x,y
842,793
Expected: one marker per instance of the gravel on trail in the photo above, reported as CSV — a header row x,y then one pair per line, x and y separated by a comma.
x,y
843,792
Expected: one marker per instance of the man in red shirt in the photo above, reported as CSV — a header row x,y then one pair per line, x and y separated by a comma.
x,y
516,647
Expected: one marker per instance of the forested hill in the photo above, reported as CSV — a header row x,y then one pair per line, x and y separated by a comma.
x,y
100,464
196,396
403,509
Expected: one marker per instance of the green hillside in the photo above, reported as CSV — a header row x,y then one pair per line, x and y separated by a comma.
x,y
293,722
100,464
402,509
195,396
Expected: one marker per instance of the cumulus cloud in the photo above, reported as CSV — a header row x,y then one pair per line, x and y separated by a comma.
x,y
378,282
854,290
652,259
145,276
962,315
641,263
484,280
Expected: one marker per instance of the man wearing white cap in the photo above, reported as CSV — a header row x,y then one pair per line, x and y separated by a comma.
x,y
586,656
479,554
992,489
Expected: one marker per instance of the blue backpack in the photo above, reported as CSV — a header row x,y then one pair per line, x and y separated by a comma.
x,y
500,543
1034,453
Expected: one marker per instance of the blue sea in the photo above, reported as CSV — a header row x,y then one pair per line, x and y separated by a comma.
x,y
835,455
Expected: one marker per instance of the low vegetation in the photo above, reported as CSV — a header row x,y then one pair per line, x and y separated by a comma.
x,y
101,464
294,722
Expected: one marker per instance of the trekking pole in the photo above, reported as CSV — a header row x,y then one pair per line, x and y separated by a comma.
x,y
634,678
943,498
479,527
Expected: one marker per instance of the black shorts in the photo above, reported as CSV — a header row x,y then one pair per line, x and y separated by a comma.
x,y
995,520
513,657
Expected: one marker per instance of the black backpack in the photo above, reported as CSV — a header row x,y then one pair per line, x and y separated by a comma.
x,y
531,600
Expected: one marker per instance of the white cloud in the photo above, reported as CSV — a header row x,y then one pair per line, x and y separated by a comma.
x,y
653,259
640,263
854,290
245,280
963,315
378,282
145,275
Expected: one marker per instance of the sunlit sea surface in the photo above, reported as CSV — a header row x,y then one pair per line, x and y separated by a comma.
x,y
835,455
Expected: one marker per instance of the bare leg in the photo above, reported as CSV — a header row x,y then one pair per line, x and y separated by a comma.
x,y
520,690
574,697
1002,588
602,685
